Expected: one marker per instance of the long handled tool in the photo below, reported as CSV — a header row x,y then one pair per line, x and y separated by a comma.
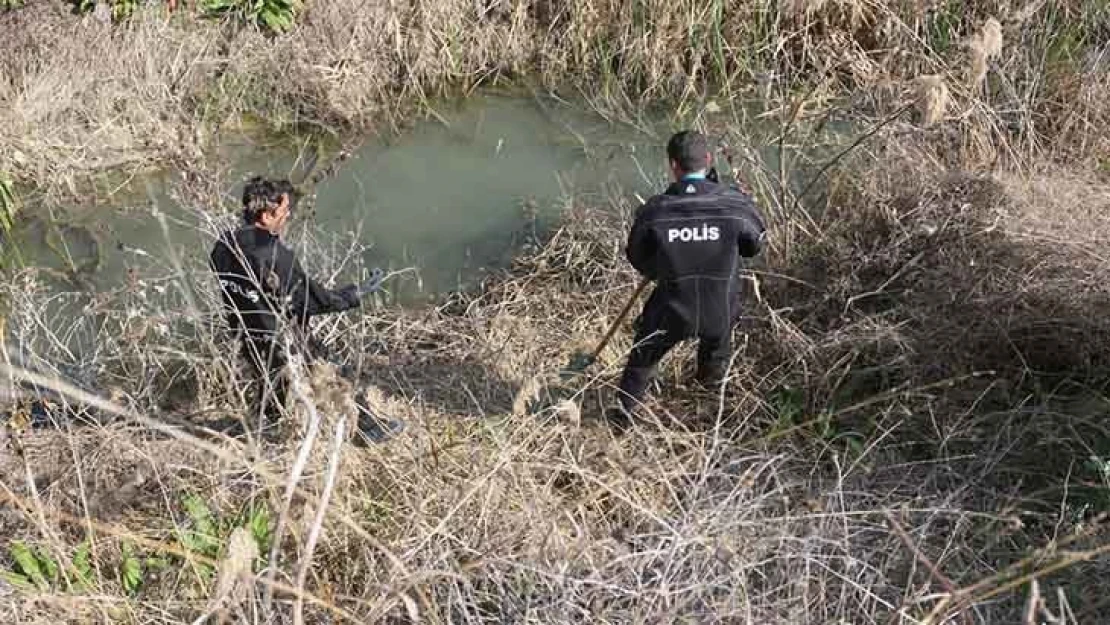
x,y
580,361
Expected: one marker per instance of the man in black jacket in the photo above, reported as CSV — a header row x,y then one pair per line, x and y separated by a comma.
x,y
268,294
689,241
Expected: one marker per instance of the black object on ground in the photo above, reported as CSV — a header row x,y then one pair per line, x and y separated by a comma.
x,y
374,429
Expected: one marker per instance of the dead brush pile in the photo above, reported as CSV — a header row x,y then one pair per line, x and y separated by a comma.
x,y
981,272
81,97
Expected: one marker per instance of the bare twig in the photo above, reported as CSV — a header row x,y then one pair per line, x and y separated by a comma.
x,y
935,572
321,513
298,387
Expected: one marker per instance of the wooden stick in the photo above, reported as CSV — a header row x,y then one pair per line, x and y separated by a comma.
x,y
613,329
935,572
297,384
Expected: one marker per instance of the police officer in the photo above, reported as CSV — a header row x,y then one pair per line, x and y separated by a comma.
x,y
689,241
268,295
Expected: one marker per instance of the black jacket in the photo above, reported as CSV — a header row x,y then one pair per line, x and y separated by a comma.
x,y
689,240
261,279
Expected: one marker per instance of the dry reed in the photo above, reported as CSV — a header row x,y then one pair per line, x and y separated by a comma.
x,y
166,90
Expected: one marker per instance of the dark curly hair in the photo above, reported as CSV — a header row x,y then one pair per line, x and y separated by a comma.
x,y
261,195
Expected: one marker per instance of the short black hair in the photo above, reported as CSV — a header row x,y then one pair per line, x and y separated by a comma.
x,y
263,194
689,149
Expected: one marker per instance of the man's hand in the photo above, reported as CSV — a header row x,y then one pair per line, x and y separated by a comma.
x,y
738,181
372,284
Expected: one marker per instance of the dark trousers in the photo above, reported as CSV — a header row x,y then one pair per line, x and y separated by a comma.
x,y
272,386
652,344
271,383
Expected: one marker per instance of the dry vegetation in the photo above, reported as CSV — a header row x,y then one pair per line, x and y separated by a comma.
x,y
164,89
914,430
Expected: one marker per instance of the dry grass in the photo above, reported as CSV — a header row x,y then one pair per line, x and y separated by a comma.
x,y
80,96
913,425
932,99
984,46
164,90
756,506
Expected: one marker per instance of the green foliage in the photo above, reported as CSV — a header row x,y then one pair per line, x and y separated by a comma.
x,y
9,205
274,15
82,565
261,526
208,534
130,568
201,537
377,513
789,405
121,9
944,24
7,5
35,569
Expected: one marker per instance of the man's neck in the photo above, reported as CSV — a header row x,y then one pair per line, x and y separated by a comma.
x,y
692,175
264,229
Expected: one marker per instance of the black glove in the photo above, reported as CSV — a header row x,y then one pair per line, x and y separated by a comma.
x,y
372,284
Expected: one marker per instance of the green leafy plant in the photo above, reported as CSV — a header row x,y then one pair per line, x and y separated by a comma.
x,y
121,9
7,5
134,567
82,565
207,535
35,569
789,405
130,568
275,15
201,537
261,526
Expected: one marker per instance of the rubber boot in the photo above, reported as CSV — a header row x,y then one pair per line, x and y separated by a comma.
x,y
373,429
619,418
